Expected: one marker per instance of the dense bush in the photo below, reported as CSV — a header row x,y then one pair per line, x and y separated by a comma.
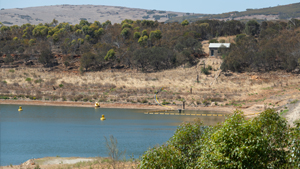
x,y
262,142
177,44
276,48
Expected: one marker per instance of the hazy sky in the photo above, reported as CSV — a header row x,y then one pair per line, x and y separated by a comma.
x,y
191,6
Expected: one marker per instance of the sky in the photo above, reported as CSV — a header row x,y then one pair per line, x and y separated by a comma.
x,y
187,6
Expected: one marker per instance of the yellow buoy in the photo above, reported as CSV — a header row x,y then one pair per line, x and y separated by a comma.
x,y
20,108
97,104
102,118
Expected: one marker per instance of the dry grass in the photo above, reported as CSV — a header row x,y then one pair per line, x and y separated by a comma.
x,y
244,89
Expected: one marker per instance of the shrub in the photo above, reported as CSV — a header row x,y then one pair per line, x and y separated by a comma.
x,y
205,71
166,156
165,102
38,81
28,79
213,41
185,22
209,67
294,101
260,142
61,85
4,97
66,63
110,54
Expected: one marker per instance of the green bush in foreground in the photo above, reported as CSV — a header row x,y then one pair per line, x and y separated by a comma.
x,y
262,142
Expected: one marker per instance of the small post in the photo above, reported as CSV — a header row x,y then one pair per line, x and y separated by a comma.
x,y
183,105
197,78
191,90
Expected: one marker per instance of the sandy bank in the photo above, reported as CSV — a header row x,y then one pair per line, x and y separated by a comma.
x,y
72,162
110,105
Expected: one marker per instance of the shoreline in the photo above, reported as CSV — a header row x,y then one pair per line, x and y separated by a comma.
x,y
110,105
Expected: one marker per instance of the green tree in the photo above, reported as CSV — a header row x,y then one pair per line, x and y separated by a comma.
x,y
166,156
136,35
106,23
99,32
126,25
54,22
125,32
32,42
40,31
241,143
155,34
110,54
144,33
252,27
185,22
84,23
55,37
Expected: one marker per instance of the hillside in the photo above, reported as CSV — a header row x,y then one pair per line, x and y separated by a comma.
x,y
283,12
72,14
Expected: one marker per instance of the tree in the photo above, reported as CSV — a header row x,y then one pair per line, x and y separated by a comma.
x,y
99,32
166,156
106,23
84,23
110,54
185,22
252,27
46,56
240,143
136,35
125,33
155,34
144,33
54,22
87,60
236,143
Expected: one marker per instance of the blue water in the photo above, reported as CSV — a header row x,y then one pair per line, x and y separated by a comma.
x,y
40,131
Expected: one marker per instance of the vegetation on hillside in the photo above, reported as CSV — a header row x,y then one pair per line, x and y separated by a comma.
x,y
144,45
283,12
268,46
262,142
152,46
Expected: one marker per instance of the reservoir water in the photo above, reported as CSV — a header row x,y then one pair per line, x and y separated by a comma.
x,y
41,131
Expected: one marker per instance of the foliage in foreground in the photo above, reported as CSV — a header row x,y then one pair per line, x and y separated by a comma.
x,y
262,142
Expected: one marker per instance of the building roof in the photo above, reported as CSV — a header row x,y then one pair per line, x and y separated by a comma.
x,y
218,45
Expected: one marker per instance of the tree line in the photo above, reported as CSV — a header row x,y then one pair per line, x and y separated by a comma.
x,y
153,46
265,47
141,44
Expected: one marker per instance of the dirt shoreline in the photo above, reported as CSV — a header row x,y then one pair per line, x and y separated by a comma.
x,y
110,105
72,162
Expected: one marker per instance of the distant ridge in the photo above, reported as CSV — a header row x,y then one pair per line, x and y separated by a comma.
x,y
74,13
116,14
283,12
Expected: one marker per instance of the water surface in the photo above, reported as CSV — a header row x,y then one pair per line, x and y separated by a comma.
x,y
40,131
